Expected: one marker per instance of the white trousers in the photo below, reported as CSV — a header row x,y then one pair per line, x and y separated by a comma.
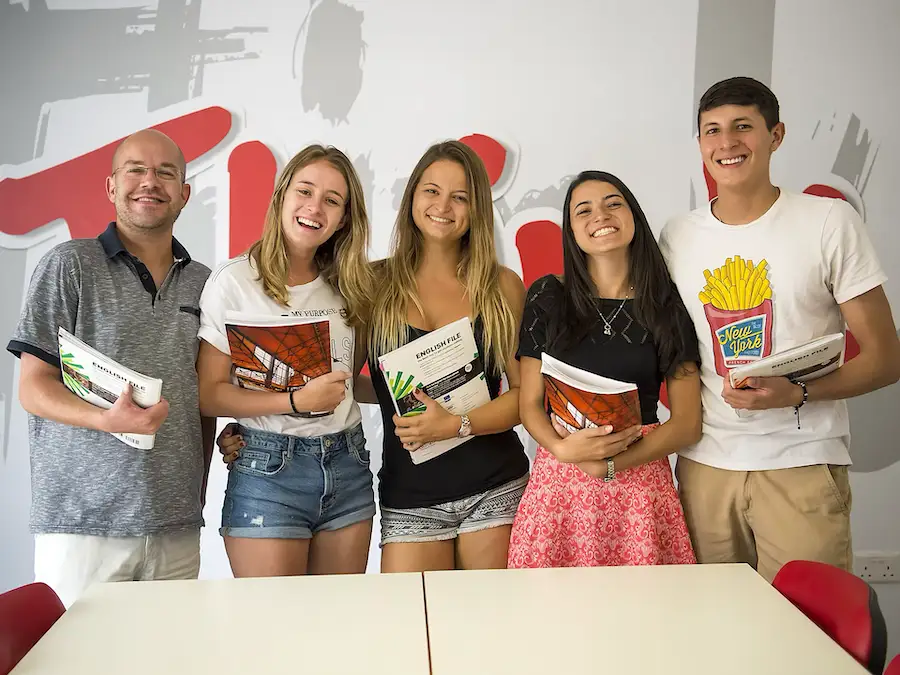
x,y
70,563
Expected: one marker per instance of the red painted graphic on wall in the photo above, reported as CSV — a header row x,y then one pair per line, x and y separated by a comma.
x,y
825,191
70,191
252,171
491,152
539,242
540,249
73,190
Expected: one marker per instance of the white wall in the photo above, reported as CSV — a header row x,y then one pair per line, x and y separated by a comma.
x,y
606,84
833,61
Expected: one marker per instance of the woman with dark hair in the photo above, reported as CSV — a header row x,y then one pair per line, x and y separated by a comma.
x,y
597,497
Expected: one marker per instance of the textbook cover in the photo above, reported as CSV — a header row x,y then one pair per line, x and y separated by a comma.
x,y
582,400
446,365
278,353
804,362
99,380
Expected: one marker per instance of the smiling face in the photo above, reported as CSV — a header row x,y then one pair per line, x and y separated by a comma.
x,y
314,206
737,146
147,182
440,205
600,217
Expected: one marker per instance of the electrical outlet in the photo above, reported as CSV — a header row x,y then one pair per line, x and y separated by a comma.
x,y
878,567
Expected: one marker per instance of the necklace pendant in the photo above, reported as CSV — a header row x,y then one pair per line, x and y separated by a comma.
x,y
607,330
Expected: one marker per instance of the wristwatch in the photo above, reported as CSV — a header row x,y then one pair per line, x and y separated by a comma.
x,y
465,427
610,470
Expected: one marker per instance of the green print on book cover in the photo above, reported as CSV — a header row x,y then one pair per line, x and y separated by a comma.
x,y
78,382
403,386
98,379
445,365
72,373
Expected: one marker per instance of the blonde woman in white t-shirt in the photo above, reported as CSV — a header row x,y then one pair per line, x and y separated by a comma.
x,y
299,498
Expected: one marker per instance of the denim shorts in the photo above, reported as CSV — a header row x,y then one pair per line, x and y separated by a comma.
x,y
288,487
492,508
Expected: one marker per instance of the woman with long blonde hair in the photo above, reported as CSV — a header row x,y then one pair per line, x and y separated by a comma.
x,y
299,498
455,510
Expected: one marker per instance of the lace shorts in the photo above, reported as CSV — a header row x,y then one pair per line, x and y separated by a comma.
x,y
492,508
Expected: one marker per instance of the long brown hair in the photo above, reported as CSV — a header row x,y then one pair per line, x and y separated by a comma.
x,y
478,268
342,260
657,304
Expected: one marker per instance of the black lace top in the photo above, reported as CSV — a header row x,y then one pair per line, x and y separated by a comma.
x,y
627,353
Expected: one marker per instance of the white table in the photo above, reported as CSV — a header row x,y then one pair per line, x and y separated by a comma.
x,y
334,625
694,619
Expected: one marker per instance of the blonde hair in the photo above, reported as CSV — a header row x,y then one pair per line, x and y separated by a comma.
x,y
478,268
342,260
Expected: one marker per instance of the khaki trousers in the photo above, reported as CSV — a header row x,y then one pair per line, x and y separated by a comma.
x,y
70,563
767,518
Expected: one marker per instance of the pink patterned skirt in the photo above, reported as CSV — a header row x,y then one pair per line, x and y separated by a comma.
x,y
569,519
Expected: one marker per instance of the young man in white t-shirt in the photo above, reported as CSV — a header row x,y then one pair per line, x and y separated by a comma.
x,y
772,485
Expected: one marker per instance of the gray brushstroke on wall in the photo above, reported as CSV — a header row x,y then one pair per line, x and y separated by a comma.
x,y
872,416
332,59
853,155
733,39
14,284
366,173
397,192
69,54
196,226
552,196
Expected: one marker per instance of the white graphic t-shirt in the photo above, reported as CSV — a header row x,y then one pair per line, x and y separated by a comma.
x,y
234,286
760,288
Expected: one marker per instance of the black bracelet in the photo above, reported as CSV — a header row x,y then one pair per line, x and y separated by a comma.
x,y
797,407
805,394
291,399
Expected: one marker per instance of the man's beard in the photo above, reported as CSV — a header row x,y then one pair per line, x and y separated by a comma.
x,y
144,223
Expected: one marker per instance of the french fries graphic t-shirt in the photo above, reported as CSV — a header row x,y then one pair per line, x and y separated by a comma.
x,y
758,289
737,302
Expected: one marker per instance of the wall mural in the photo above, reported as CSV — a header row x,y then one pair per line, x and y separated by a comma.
x,y
165,53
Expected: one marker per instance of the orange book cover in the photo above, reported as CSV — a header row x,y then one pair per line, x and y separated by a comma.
x,y
278,354
580,399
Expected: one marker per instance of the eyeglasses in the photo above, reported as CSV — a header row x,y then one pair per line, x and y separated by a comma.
x,y
139,171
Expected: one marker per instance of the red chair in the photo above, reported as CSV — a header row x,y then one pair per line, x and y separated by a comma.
x,y
26,613
841,604
894,667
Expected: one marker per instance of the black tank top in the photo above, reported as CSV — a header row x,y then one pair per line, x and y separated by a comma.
x,y
480,464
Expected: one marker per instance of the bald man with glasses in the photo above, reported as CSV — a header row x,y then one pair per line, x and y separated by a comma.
x,y
103,510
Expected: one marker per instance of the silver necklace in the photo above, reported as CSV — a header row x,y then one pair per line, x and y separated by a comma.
x,y
607,325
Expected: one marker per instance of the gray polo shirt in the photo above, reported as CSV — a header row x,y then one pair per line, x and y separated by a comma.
x,y
89,482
